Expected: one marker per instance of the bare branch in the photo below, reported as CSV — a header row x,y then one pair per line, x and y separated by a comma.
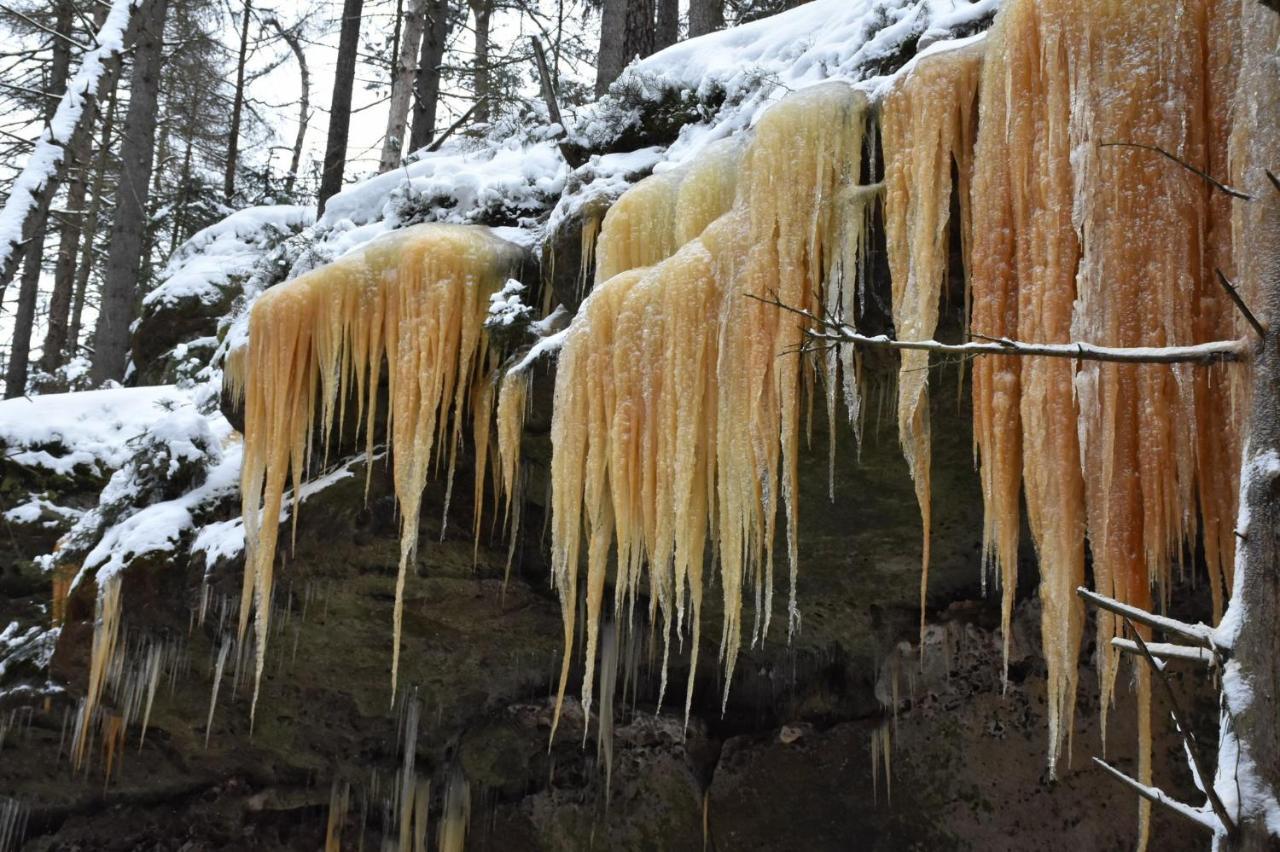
x,y
1197,634
1205,820
1205,176
1165,651
1239,302
1188,738
834,331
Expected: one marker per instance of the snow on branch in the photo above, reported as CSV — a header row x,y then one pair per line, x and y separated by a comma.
x,y
830,331
1200,635
1204,819
34,187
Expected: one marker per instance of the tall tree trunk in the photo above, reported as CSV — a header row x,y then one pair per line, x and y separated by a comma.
x,y
124,253
668,27
1248,773
705,16
335,149
80,151
237,109
402,87
426,86
483,11
304,103
33,256
85,267
626,32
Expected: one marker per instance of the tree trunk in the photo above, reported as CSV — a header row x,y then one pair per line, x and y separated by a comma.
x,y
80,152
483,11
85,268
426,87
237,108
335,149
402,87
626,31
33,256
124,254
705,16
1249,734
304,103
668,27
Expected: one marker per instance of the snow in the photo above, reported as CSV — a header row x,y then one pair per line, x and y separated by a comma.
x,y
57,432
35,644
462,185
507,307
206,264
37,508
224,540
46,157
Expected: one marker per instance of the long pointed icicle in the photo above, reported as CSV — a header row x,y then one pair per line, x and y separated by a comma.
x,y
417,297
928,122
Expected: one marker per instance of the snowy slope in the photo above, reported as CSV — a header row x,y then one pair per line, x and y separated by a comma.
x,y
56,432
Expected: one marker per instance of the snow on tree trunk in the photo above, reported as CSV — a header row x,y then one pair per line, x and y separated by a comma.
x,y
33,191
1248,776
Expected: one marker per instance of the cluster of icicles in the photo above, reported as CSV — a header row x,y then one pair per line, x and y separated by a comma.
x,y
679,400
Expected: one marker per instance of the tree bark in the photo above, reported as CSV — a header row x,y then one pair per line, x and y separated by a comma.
x,y
426,87
304,103
667,30
705,16
1249,733
80,152
626,32
85,267
33,255
124,254
237,109
483,11
402,87
335,149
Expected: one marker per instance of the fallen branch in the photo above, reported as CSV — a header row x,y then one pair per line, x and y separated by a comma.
x,y
1197,634
1188,738
440,140
572,157
1157,796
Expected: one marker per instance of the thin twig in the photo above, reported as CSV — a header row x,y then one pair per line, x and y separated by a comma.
x,y
1275,181
1205,176
1160,797
1197,634
1239,302
1193,750
435,146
